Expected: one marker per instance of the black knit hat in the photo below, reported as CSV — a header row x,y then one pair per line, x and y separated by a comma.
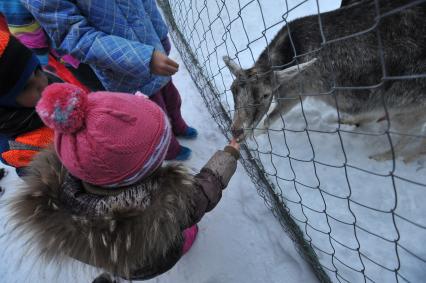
x,y
17,64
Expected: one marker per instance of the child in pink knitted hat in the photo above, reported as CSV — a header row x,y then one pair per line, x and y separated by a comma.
x,y
103,196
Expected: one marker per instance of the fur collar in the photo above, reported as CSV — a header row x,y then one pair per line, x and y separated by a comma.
x,y
135,233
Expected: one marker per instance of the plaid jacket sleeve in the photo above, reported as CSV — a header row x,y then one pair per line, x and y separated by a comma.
x,y
156,18
71,33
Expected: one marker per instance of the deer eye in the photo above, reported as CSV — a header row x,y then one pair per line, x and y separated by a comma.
x,y
265,95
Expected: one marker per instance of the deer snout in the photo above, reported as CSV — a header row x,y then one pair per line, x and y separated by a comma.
x,y
237,132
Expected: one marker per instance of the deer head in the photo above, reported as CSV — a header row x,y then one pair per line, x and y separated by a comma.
x,y
253,91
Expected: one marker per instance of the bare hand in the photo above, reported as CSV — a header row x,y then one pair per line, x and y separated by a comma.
x,y
235,144
163,65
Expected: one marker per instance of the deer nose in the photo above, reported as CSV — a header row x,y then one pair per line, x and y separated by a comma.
x,y
237,132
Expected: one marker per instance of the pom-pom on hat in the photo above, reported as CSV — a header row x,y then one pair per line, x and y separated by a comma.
x,y
105,138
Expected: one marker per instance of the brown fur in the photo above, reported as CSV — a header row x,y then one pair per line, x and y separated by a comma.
x,y
128,241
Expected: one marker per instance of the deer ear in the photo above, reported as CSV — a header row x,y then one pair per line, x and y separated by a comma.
x,y
232,66
289,73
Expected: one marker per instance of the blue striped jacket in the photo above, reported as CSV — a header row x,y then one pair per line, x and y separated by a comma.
x,y
115,37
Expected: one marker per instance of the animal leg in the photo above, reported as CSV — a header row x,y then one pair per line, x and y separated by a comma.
x,y
413,154
359,119
409,147
397,149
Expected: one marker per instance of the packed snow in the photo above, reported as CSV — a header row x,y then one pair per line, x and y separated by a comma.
x,y
342,188
239,241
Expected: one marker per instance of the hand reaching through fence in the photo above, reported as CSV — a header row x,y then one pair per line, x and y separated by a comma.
x,y
163,65
235,144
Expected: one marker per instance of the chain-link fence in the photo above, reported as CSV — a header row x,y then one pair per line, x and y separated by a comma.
x,y
348,188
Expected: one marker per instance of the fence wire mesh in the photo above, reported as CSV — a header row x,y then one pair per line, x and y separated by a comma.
x,y
356,214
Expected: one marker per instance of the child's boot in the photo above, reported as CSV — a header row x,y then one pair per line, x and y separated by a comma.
x,y
184,154
190,133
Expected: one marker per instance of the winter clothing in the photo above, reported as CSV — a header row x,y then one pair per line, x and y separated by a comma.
x,y
108,127
85,74
3,23
54,67
18,151
23,26
104,278
14,121
117,41
24,62
59,73
184,154
21,150
134,232
116,38
27,30
22,132
2,191
22,135
189,235
168,98
167,45
190,133
2,174
170,101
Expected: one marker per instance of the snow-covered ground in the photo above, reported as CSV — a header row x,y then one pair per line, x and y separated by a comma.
x,y
351,207
239,241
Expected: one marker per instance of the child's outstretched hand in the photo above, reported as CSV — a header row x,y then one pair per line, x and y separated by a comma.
x,y
163,65
235,144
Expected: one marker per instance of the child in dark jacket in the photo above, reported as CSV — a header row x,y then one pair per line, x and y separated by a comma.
x,y
126,44
103,196
22,132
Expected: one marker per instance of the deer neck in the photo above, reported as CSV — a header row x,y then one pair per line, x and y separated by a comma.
x,y
307,83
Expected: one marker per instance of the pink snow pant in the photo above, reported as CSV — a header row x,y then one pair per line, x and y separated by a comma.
x,y
189,235
168,98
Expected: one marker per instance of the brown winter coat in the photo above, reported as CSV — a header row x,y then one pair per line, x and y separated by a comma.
x,y
134,232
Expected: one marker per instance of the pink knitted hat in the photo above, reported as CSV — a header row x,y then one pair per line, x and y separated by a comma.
x,y
105,138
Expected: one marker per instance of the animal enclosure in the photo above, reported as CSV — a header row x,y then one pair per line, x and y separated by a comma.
x,y
350,192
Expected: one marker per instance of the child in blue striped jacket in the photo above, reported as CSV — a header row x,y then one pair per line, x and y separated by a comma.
x,y
125,43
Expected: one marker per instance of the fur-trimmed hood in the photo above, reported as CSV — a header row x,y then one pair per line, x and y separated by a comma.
x,y
134,233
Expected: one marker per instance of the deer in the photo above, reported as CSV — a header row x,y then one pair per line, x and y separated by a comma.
x,y
369,68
